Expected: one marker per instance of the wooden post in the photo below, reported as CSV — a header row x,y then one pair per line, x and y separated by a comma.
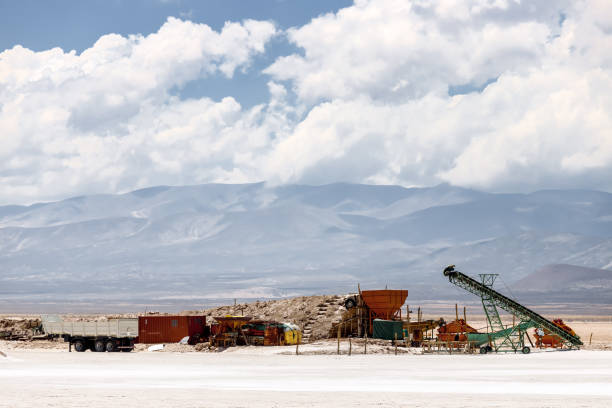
x,y
395,342
350,346
419,315
297,347
365,344
456,312
70,346
590,338
464,315
408,313
358,321
338,339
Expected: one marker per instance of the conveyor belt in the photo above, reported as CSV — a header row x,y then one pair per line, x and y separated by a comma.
x,y
509,305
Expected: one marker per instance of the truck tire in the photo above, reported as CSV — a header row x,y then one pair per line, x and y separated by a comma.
x,y
526,350
99,346
110,346
350,303
483,350
79,346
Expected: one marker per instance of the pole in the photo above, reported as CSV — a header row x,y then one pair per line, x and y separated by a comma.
x,y
350,346
395,342
358,321
338,339
464,315
297,346
456,312
590,338
365,344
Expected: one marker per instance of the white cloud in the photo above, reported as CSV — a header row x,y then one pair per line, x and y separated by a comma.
x,y
383,68
395,49
366,100
105,120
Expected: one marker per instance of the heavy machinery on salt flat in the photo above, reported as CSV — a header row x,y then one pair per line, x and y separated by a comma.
x,y
506,338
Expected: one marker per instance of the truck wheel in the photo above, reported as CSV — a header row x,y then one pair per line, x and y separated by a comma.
x,y
526,350
110,346
350,303
79,346
483,350
99,346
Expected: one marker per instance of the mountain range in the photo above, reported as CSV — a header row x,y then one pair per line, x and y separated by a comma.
x,y
195,244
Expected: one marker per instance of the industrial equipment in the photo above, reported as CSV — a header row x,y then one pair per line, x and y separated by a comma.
x,y
239,330
457,330
482,339
228,330
503,338
388,329
416,332
363,308
546,339
383,304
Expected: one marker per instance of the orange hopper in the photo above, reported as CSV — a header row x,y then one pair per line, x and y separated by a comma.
x,y
384,304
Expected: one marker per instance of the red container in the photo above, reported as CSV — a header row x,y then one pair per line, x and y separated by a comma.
x,y
169,329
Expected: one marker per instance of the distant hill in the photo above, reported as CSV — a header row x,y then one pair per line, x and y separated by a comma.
x,y
562,282
187,245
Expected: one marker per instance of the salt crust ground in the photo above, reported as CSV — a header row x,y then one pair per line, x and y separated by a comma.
x,y
259,377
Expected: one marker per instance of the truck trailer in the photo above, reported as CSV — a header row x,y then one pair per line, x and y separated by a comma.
x,y
99,336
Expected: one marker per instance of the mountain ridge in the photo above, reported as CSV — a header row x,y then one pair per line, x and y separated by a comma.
x,y
208,239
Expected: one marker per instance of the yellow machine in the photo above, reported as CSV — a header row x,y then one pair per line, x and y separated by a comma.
x,y
293,335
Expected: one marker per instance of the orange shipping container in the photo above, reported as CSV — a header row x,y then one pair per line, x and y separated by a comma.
x,y
169,329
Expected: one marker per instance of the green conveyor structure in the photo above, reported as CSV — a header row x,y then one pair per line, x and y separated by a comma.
x,y
478,339
506,338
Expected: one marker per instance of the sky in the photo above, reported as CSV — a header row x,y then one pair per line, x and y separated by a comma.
x,y
111,96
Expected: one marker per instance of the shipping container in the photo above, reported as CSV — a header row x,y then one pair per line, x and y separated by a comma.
x,y
170,329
